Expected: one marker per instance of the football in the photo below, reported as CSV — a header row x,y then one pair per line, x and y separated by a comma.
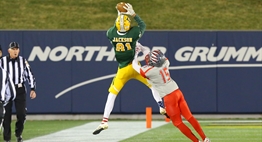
x,y
120,7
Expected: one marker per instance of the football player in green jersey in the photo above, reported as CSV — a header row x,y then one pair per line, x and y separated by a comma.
x,y
124,40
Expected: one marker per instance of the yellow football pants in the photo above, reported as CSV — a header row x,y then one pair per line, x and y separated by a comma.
x,y
123,75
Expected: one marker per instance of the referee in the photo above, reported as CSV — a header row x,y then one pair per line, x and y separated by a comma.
x,y
7,93
19,71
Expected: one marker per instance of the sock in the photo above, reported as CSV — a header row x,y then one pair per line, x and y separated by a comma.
x,y
109,106
104,120
197,127
187,132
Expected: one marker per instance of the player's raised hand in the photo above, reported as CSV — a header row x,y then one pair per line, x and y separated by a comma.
x,y
138,49
130,10
118,12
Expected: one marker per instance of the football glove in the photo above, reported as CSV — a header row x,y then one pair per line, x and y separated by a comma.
x,y
138,50
130,10
118,12
162,111
141,48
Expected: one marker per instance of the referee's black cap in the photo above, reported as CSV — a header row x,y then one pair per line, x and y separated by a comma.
x,y
13,45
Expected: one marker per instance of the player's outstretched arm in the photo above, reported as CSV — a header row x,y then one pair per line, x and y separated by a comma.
x,y
131,12
129,9
140,47
141,24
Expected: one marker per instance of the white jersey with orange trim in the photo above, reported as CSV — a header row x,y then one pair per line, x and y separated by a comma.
x,y
159,78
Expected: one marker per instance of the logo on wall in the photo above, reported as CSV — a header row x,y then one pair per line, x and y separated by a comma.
x,y
213,57
183,54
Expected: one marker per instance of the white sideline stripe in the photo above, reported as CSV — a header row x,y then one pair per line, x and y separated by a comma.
x,y
117,131
84,83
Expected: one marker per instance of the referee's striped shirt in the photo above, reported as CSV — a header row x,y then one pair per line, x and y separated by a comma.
x,y
7,89
19,70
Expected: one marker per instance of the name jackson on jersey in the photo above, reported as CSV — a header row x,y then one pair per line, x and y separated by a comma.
x,y
121,39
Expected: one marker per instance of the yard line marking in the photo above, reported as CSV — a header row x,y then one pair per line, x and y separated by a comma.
x,y
117,131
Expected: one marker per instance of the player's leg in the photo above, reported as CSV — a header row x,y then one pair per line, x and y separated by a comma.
x,y
20,106
122,76
188,115
173,110
7,121
107,111
117,84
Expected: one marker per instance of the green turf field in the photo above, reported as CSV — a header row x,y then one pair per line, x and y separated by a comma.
x,y
157,14
37,128
217,130
222,131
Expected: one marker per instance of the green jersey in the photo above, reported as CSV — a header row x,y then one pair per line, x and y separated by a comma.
x,y
124,44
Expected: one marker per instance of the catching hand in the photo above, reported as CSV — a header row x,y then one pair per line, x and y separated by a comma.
x,y
130,10
118,12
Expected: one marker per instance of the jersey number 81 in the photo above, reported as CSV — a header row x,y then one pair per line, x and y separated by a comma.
x,y
121,46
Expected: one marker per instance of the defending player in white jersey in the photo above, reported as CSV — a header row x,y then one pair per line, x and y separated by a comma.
x,y
157,74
